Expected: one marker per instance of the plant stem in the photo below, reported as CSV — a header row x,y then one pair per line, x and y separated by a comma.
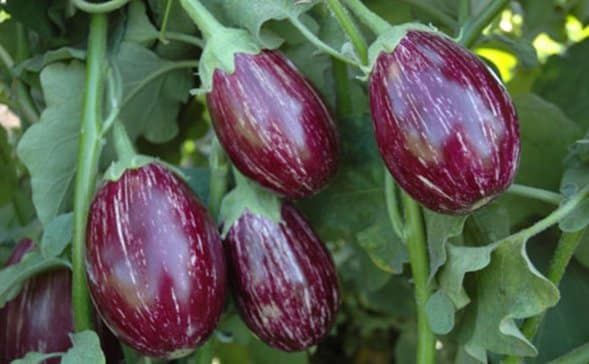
x,y
6,58
417,249
433,12
123,145
472,29
393,205
536,193
463,11
347,23
553,218
184,38
579,355
565,249
343,101
218,179
88,156
311,37
203,18
165,20
377,24
96,8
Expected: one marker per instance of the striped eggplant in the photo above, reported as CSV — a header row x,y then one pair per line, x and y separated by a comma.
x,y
283,279
445,125
155,262
40,318
273,125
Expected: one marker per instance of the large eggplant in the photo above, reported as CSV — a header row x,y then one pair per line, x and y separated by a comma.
x,y
155,262
273,125
284,281
445,125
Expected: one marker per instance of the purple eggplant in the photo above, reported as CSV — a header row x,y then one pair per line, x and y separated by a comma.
x,y
155,262
284,281
273,125
40,318
445,125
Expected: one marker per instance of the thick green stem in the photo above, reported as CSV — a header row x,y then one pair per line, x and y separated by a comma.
x,y
311,37
417,249
579,355
473,28
377,24
218,180
536,193
88,156
347,23
433,12
203,18
565,249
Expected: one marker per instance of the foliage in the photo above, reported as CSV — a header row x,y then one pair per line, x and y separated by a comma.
x,y
486,277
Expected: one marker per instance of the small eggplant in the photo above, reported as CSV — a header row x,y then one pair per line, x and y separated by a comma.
x,y
283,278
273,125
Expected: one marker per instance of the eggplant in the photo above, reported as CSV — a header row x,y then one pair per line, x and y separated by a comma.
x,y
273,125
283,279
155,263
444,124
40,317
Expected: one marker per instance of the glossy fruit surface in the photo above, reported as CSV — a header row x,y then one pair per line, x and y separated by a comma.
x,y
284,280
155,263
273,125
445,125
40,318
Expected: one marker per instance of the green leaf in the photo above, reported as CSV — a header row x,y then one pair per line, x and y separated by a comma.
x,y
385,249
139,27
57,235
49,148
561,329
439,229
86,349
546,133
253,14
248,196
565,84
198,180
153,91
40,61
440,313
13,277
508,289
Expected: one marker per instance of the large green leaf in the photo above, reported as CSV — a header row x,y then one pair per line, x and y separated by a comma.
x,y
546,133
153,90
49,148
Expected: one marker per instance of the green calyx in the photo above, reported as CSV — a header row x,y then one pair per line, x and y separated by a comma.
x,y
248,196
388,40
219,53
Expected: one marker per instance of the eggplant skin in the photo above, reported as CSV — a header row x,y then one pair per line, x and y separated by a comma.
x,y
283,279
273,125
155,263
40,317
445,125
